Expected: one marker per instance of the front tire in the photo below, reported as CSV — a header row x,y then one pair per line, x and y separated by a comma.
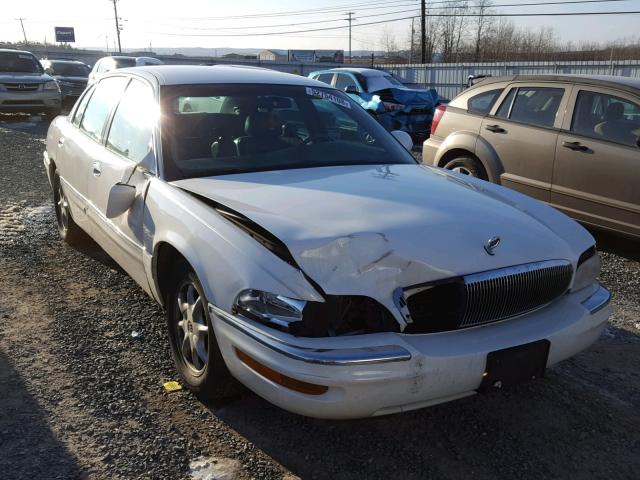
x,y
467,166
194,346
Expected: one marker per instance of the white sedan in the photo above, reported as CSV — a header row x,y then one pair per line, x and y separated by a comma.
x,y
299,249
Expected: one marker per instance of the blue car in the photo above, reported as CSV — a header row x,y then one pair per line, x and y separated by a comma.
x,y
394,105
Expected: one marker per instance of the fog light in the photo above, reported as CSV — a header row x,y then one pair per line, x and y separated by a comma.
x,y
279,378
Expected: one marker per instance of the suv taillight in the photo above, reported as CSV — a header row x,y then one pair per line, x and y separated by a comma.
x,y
437,116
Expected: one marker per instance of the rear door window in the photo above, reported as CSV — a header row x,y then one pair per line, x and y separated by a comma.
x,y
105,96
606,117
532,105
325,77
483,102
343,81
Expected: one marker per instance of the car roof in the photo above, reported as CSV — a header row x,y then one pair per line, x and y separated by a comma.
x,y
367,72
203,74
12,50
625,83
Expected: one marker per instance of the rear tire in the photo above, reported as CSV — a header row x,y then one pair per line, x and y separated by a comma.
x,y
467,166
194,346
69,231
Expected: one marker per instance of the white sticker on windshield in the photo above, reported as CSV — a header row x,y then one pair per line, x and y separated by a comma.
x,y
316,92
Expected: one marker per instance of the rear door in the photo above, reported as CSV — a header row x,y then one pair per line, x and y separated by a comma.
x,y
523,130
597,173
127,157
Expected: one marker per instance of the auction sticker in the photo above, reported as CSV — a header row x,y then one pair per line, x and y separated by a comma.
x,y
315,92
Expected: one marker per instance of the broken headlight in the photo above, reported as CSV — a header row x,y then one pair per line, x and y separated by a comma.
x,y
265,307
588,269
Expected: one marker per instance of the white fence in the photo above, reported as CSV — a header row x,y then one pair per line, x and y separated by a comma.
x,y
449,79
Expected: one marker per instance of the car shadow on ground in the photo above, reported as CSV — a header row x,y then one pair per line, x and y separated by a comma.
x,y
617,244
565,424
28,448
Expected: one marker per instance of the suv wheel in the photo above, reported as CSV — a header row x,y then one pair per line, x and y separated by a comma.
x,y
193,344
467,166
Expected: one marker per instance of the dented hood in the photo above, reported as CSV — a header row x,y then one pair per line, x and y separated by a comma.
x,y
367,230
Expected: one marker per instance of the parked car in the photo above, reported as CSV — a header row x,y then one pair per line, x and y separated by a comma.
x,y
394,105
107,64
24,85
571,141
71,76
298,248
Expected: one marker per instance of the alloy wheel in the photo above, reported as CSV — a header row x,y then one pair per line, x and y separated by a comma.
x,y
192,330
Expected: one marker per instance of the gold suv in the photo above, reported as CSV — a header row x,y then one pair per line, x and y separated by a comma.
x,y
572,141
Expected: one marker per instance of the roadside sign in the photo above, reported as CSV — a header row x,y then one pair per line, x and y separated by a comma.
x,y
65,34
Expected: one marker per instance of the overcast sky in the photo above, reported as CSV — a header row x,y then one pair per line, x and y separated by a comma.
x,y
165,23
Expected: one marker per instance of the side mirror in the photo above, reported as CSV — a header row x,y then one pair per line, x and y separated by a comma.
x,y
351,90
120,199
404,138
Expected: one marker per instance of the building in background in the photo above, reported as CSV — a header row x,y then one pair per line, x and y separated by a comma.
x,y
273,55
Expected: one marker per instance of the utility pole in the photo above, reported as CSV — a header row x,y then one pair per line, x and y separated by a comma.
x,y
423,33
350,19
23,32
115,15
413,32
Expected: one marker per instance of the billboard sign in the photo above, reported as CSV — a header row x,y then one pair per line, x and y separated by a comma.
x,y
65,34
330,56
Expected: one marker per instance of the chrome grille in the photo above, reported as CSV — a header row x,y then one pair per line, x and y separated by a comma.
x,y
22,87
507,292
485,297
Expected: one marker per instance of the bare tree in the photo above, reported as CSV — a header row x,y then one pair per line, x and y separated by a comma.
x,y
482,23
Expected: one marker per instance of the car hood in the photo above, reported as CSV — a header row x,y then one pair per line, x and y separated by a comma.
x,y
24,77
408,96
367,230
64,78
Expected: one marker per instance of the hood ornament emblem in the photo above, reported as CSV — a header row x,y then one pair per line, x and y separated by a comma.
x,y
491,245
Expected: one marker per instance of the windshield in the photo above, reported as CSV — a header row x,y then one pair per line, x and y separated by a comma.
x,y
19,62
69,69
221,129
380,82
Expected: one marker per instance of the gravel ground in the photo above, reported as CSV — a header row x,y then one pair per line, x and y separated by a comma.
x,y
81,398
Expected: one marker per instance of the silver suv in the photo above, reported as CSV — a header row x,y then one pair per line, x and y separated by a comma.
x,y
24,85
571,141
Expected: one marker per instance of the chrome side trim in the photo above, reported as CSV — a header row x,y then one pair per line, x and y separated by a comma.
x,y
341,356
598,300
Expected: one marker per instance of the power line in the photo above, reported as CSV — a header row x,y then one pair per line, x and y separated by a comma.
x,y
251,27
561,14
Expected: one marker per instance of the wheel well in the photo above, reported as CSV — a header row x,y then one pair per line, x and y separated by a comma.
x,y
456,152
167,257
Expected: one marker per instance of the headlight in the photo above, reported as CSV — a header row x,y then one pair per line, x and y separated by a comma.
x,y
51,85
265,307
587,271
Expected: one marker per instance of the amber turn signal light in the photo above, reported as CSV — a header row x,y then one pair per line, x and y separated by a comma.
x,y
279,378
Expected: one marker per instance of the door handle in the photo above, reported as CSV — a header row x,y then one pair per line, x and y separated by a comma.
x,y
61,141
95,169
495,128
576,146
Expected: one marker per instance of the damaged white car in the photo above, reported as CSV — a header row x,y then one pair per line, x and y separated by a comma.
x,y
299,249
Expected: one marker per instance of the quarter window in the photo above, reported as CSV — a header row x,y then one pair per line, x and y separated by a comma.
x,y
532,105
483,102
606,117
105,95
131,131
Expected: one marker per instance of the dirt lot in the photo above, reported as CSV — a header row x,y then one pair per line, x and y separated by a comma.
x,y
81,398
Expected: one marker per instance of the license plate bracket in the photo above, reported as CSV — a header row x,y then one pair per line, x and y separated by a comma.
x,y
515,365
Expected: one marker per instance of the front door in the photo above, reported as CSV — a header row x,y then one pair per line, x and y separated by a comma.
x,y
597,174
127,158
523,130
